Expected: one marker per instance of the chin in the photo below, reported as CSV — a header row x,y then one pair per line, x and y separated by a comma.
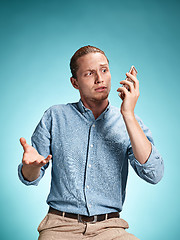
x,y
101,97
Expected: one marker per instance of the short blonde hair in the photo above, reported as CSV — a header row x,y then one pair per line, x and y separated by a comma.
x,y
79,53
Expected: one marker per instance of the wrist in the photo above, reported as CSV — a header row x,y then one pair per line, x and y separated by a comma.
x,y
31,166
128,115
30,173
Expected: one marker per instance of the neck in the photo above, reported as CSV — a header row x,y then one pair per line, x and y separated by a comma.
x,y
97,107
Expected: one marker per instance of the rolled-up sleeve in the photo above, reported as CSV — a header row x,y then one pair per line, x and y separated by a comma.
x,y
26,182
153,169
40,140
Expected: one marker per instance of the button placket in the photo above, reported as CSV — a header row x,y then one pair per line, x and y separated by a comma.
x,y
89,166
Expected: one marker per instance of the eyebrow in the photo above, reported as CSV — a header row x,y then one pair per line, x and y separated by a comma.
x,y
104,64
101,65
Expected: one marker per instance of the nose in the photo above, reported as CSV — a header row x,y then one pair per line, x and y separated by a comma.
x,y
98,78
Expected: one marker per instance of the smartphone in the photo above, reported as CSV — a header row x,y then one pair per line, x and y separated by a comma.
x,y
128,79
130,71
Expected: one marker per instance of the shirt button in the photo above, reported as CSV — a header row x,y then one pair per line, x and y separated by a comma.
x,y
93,125
90,205
92,145
87,186
89,165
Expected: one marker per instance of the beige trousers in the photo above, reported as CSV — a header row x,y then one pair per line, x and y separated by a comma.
x,y
55,227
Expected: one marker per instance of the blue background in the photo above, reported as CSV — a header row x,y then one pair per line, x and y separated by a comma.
x,y
37,41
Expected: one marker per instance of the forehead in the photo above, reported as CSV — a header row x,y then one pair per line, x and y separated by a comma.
x,y
91,60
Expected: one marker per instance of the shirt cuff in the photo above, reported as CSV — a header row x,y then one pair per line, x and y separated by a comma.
x,y
153,158
26,182
153,169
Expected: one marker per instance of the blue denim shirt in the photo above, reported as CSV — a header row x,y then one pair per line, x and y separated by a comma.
x,y
89,158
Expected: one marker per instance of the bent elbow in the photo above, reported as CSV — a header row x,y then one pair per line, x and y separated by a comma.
x,y
156,177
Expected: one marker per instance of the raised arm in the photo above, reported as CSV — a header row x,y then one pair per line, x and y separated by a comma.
x,y
140,144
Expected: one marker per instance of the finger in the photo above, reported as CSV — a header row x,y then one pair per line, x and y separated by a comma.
x,y
129,84
48,157
134,79
131,76
121,95
123,90
40,162
28,161
45,160
25,162
23,143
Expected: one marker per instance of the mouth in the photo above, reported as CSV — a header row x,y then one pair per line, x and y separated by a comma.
x,y
101,89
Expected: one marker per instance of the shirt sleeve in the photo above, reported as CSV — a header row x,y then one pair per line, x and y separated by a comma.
x,y
41,141
152,171
26,182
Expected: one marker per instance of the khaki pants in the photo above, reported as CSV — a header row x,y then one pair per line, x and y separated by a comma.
x,y
55,227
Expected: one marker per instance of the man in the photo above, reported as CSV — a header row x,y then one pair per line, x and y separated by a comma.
x,y
90,143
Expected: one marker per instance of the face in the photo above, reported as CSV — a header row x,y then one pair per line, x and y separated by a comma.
x,y
93,78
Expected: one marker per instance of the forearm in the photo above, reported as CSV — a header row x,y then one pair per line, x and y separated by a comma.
x,y
141,146
30,173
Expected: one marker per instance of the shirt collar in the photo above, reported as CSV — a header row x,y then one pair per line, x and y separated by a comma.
x,y
83,109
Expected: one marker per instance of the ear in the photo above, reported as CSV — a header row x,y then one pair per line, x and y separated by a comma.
x,y
74,82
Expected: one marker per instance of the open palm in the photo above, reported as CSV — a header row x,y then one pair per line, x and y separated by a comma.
x,y
31,155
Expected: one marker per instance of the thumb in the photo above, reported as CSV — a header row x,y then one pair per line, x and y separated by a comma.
x,y
23,143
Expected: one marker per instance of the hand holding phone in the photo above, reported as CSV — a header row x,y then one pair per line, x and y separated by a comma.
x,y
132,69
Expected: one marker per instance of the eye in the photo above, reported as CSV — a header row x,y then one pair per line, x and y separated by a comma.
x,y
104,70
88,74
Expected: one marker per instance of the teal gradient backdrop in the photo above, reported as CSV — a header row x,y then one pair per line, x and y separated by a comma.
x,y
38,38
